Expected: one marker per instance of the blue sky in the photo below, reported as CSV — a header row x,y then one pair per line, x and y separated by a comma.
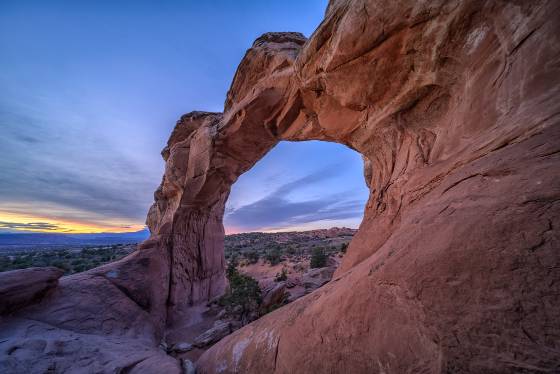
x,y
90,91
299,186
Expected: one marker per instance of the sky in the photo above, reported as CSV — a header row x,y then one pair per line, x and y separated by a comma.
x,y
90,91
299,186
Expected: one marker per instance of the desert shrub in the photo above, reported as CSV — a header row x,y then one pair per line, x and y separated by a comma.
x,y
77,262
343,247
318,258
291,250
243,297
80,267
282,276
5,263
252,257
274,256
61,265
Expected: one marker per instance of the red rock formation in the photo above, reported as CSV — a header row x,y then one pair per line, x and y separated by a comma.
x,y
109,319
454,107
21,288
455,266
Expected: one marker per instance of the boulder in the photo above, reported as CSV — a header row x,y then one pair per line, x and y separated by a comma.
x,y
291,282
274,296
182,347
315,278
21,288
211,336
295,293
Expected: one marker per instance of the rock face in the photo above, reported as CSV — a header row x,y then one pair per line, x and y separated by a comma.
x,y
455,267
275,295
454,106
109,319
316,278
21,288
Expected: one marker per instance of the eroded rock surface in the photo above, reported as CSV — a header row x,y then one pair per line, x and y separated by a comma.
x,y
454,106
21,288
455,268
106,320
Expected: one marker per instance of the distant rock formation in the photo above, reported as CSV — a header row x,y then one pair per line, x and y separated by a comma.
x,y
455,268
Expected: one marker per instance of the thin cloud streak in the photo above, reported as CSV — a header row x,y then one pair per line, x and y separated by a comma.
x,y
43,226
276,210
76,174
86,106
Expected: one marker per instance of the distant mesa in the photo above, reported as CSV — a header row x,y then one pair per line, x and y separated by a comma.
x,y
50,239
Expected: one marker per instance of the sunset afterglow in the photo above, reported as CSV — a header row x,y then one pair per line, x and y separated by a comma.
x,y
82,128
30,223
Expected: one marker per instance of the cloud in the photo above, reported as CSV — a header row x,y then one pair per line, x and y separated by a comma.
x,y
27,139
315,177
277,211
44,226
65,164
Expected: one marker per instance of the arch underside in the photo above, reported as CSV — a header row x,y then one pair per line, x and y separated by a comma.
x,y
454,108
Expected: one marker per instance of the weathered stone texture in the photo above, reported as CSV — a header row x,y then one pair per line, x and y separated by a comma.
x,y
455,268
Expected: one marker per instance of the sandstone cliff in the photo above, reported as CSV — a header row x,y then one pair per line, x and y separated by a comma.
x,y
455,268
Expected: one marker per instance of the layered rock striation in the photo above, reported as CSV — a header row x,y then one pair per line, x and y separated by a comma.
x,y
455,267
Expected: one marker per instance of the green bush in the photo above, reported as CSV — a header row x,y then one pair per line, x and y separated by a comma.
x,y
291,250
318,258
252,257
61,265
243,297
274,256
343,247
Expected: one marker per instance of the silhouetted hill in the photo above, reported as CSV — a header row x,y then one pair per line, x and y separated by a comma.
x,y
41,239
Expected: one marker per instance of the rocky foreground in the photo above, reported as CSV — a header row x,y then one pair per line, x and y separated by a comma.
x,y
455,267
283,272
290,265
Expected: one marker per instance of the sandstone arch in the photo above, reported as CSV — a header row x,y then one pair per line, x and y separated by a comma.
x,y
454,106
206,154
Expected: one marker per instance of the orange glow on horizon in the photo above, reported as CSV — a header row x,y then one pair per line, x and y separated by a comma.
x,y
315,225
32,223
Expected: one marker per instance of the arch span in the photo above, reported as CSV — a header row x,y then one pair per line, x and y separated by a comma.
x,y
449,144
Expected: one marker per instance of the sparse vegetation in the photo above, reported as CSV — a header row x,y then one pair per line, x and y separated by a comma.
x,y
318,258
274,256
282,276
252,257
72,261
277,247
243,298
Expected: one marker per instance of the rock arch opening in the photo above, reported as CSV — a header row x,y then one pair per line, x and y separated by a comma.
x,y
290,219
205,156
299,186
